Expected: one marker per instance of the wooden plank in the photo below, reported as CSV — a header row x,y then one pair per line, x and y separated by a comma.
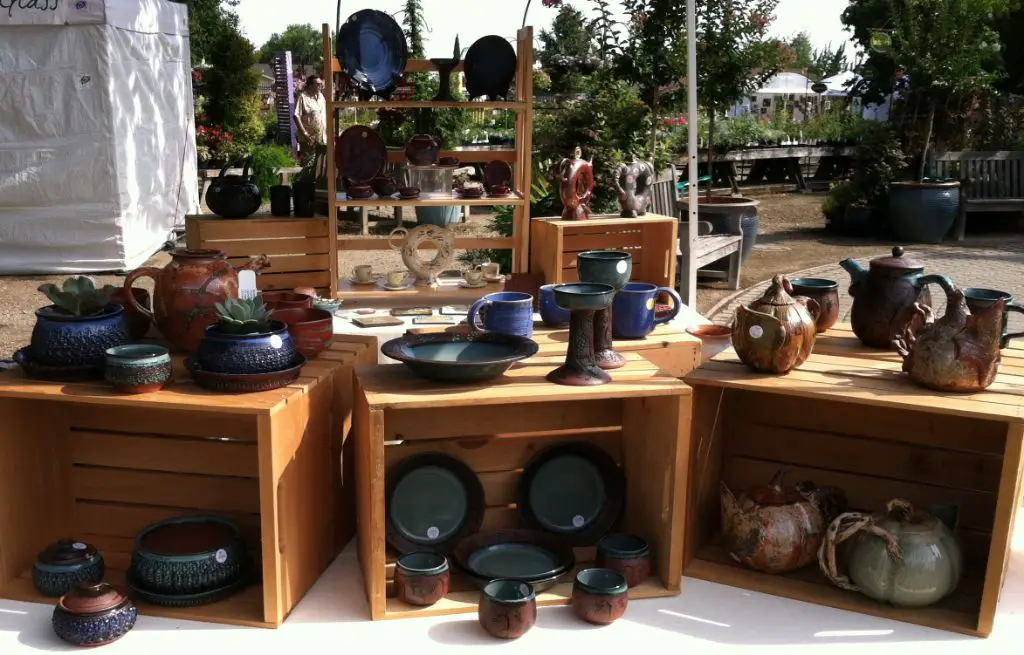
x,y
287,281
201,492
216,230
436,423
256,247
290,263
461,243
127,520
161,422
601,241
210,456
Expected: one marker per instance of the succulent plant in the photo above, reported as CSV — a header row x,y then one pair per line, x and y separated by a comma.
x,y
78,296
245,316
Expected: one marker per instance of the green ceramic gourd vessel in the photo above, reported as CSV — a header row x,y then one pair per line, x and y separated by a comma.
x,y
903,557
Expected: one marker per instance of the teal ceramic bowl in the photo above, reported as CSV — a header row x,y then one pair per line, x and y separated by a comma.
x,y
137,368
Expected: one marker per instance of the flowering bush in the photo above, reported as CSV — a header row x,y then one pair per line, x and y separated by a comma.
x,y
551,3
213,144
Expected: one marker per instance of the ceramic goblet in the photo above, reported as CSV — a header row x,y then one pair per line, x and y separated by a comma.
x,y
583,301
614,268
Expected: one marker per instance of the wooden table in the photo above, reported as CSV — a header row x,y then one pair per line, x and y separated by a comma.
x,y
82,460
775,164
856,421
641,419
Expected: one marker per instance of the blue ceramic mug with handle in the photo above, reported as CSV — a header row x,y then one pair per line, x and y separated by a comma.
x,y
505,312
552,315
633,310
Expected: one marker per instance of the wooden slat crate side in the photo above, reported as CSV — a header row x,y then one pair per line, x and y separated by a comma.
x,y
446,425
290,263
157,422
203,456
198,492
212,230
286,281
618,240
271,247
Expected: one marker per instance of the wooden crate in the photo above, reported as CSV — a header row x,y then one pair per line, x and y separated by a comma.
x,y
640,419
651,239
862,425
81,460
299,249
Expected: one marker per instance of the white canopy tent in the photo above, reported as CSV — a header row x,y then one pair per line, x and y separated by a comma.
x,y
840,84
97,134
785,85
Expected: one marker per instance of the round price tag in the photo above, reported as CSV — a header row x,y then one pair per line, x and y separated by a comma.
x,y
433,532
650,304
275,341
78,545
221,556
621,267
756,331
578,521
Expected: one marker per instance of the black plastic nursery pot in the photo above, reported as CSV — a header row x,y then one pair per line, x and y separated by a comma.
x,y
280,200
304,198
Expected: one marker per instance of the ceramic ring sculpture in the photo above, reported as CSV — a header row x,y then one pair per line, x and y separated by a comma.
x,y
426,272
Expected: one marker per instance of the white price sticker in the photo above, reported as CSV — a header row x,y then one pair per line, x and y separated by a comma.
x,y
756,331
578,521
621,267
275,341
78,545
221,556
433,533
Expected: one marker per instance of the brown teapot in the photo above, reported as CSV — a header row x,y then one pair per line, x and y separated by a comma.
x,y
576,180
958,352
778,528
775,333
884,295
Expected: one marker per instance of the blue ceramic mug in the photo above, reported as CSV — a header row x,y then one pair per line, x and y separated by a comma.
x,y
550,312
505,312
633,310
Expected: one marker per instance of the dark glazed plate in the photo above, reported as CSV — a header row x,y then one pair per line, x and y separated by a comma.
x,y
373,52
185,600
489,68
244,382
498,173
360,154
574,490
528,555
433,501
56,373
456,357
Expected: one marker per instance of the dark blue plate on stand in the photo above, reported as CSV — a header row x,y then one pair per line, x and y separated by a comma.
x,y
459,357
372,52
489,68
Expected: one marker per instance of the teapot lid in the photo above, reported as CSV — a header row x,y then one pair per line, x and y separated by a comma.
x,y
779,292
92,598
775,493
897,261
67,552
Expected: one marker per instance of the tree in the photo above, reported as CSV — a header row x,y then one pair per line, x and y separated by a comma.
x,y
564,48
802,50
828,62
208,22
305,42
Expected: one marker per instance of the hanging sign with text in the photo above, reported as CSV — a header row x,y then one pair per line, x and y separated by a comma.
x,y
51,12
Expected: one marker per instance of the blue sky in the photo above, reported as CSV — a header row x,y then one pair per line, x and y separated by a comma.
x,y
471,19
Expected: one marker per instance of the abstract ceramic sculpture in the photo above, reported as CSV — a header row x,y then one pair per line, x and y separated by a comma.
x,y
508,608
599,596
64,565
421,578
137,368
576,185
776,332
633,184
614,268
93,614
426,272
628,554
583,301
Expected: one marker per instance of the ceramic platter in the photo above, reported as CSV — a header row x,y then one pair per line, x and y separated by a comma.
x,y
433,501
373,52
574,490
528,555
498,172
459,357
490,67
360,154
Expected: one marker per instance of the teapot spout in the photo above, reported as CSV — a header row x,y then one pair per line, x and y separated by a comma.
x,y
856,271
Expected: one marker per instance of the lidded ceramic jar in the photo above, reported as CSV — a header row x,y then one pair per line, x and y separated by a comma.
x,y
63,565
93,614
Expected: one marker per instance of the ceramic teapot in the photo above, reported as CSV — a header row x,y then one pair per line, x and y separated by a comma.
x,y
423,150
775,333
234,196
901,557
633,183
958,352
576,186
778,528
884,295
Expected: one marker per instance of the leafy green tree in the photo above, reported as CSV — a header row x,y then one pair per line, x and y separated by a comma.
x,y
208,22
305,42
564,48
803,51
828,62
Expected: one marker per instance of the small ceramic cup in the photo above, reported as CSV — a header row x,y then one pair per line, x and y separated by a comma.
x,y
137,368
473,277
599,596
421,578
825,293
627,554
508,608
395,278
980,299
552,315
363,273
491,269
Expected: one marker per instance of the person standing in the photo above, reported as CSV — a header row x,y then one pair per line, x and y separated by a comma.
x,y
311,116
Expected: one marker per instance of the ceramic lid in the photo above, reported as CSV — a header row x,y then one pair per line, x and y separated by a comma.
x,y
897,261
775,493
91,598
778,293
67,552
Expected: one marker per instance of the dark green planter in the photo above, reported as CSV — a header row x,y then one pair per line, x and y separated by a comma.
x,y
923,212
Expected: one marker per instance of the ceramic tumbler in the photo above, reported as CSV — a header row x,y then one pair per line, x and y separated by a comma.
x,y
508,608
505,312
421,578
983,298
552,315
633,315
824,292
599,596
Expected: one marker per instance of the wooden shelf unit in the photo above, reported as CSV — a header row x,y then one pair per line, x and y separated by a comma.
x,y
82,460
864,426
651,239
641,419
515,199
519,157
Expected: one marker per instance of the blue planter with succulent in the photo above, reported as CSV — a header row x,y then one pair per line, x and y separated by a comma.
x,y
245,341
64,565
79,327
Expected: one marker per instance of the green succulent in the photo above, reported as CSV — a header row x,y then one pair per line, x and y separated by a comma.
x,y
78,296
245,316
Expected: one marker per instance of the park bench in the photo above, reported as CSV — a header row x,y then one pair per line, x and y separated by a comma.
x,y
989,181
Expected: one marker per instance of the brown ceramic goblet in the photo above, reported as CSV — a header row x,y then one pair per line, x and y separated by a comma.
x,y
599,596
508,608
421,578
627,554
825,293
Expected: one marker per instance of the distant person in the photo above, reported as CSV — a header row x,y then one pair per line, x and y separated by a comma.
x,y
311,116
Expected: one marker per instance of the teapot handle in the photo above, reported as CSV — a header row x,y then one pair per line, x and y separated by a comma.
x,y
812,305
224,171
246,163
943,281
842,528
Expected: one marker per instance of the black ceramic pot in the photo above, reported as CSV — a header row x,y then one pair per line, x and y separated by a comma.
x,y
266,352
64,565
189,555
234,196
93,615
304,199
280,200
64,340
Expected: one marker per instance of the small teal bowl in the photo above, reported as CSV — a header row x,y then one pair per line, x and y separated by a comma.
x,y
137,368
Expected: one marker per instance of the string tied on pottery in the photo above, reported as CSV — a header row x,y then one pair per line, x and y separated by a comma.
x,y
847,525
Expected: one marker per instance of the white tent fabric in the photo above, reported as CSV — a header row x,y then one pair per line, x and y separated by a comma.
x,y
787,84
97,134
839,84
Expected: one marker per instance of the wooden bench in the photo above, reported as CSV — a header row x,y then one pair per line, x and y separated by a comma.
x,y
706,249
989,181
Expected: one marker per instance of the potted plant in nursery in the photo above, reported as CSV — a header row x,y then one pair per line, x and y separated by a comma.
x,y
72,334
245,340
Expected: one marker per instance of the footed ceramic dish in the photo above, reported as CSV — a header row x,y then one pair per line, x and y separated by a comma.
x,y
454,357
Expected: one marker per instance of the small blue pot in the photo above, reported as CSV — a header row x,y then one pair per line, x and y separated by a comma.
x,y
247,354
137,368
505,312
93,614
552,315
63,340
439,216
64,565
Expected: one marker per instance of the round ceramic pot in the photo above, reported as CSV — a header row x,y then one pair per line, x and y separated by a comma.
x,y
62,340
137,368
312,330
508,608
64,565
626,554
286,299
138,323
599,596
825,293
247,354
923,212
421,578
605,267
189,555
93,615
552,315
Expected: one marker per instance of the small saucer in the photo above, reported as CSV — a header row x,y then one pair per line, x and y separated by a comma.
x,y
494,278
399,288
352,280
49,373
466,285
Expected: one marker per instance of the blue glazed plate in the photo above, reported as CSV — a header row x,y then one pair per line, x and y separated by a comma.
x,y
458,357
373,52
